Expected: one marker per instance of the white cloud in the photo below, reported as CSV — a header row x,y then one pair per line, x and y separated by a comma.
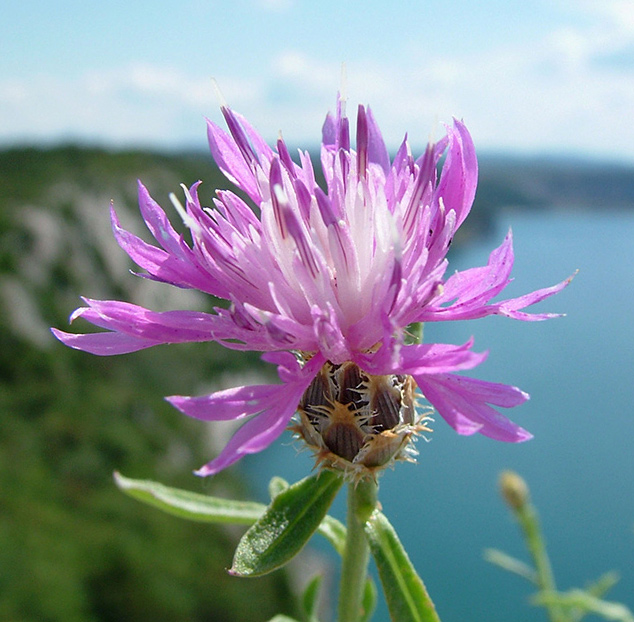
x,y
13,93
134,104
618,14
551,95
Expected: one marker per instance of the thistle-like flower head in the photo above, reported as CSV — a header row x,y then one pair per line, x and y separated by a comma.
x,y
325,281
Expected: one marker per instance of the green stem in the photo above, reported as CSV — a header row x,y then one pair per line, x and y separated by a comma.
x,y
414,333
362,500
527,517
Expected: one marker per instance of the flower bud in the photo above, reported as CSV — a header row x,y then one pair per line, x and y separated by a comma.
x,y
513,490
358,423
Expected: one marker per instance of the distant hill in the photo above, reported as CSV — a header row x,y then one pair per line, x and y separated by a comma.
x,y
555,182
544,183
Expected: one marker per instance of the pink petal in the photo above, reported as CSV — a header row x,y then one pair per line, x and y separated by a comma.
x,y
276,409
159,225
459,177
257,433
135,328
103,344
224,405
181,269
417,359
262,148
472,289
377,151
231,162
464,403
510,308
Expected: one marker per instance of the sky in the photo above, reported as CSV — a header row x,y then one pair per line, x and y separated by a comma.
x,y
546,77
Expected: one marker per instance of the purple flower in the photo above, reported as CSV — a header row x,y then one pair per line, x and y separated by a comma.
x,y
317,279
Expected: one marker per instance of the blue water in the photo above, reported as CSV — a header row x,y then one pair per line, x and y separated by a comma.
x,y
580,465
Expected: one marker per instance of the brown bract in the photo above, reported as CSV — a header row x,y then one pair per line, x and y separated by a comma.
x,y
358,423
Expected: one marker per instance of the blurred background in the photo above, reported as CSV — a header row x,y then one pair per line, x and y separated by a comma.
x,y
94,96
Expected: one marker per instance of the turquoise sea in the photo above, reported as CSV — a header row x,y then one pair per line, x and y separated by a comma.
x,y
580,465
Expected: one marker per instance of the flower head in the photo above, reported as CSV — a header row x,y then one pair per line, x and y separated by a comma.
x,y
322,278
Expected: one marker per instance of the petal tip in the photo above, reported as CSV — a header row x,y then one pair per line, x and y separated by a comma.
x,y
523,436
204,471
58,334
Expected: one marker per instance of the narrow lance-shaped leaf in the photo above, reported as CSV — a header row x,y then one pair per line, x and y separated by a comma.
x,y
501,559
310,599
332,529
288,523
405,593
369,600
191,505
580,599
335,532
204,508
603,584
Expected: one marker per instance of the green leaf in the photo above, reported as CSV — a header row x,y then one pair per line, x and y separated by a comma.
x,y
512,564
276,486
191,505
310,599
282,618
203,508
335,532
369,600
286,525
581,600
405,593
603,584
